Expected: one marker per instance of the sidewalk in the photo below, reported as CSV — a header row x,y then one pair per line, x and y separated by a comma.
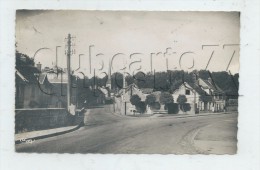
x,y
217,138
189,115
41,134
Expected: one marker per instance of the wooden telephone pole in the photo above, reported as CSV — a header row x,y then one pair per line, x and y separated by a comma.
x,y
69,52
68,72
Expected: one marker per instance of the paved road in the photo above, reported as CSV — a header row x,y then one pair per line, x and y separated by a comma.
x,y
109,133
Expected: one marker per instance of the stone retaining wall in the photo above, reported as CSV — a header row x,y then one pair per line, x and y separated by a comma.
x,y
44,118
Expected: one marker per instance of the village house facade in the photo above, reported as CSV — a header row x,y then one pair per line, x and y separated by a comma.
x,y
192,96
202,96
218,102
195,94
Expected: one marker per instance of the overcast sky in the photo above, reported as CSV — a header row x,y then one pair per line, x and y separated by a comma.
x,y
109,33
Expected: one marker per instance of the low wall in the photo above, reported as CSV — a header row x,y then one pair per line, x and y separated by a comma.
x,y
44,118
232,108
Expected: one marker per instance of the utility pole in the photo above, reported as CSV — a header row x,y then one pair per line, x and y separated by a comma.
x,y
195,79
68,71
69,51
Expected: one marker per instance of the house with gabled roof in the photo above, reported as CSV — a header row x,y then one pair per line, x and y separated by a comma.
x,y
131,90
211,88
218,102
124,95
197,93
192,93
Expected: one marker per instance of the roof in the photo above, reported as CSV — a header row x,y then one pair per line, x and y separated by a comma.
x,y
147,90
42,78
55,69
128,88
20,76
197,89
27,73
193,86
214,87
57,78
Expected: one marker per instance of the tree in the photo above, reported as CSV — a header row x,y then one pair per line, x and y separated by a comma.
x,y
141,107
150,99
166,98
23,60
135,100
181,100
129,80
117,80
173,108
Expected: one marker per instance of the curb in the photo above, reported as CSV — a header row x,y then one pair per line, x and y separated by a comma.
x,y
197,115
51,135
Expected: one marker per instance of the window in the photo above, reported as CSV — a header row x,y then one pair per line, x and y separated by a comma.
x,y
187,92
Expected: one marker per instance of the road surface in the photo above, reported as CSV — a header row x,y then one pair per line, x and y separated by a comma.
x,y
106,132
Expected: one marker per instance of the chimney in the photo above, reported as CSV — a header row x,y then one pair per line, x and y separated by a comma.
x,y
195,77
210,80
39,66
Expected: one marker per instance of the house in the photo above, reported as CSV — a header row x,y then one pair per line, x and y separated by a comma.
x,y
59,80
32,88
203,97
192,94
122,100
124,96
131,90
218,95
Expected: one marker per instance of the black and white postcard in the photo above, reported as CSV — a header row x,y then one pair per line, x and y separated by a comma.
x,y
129,85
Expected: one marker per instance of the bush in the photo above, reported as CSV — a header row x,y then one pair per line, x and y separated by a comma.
x,y
182,102
166,98
186,107
150,99
156,106
181,99
141,107
135,100
173,108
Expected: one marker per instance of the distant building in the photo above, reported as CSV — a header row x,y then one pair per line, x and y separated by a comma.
x,y
59,80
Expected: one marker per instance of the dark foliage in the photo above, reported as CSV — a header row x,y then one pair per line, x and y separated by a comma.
x,y
173,108
166,98
186,107
181,99
150,99
182,102
156,106
23,60
141,107
135,100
